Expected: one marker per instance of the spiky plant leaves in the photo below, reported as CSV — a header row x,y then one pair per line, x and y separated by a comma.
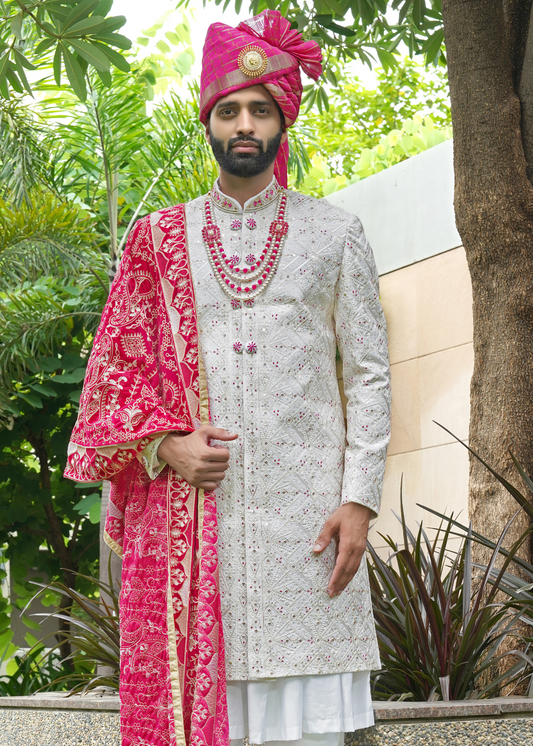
x,y
94,635
428,632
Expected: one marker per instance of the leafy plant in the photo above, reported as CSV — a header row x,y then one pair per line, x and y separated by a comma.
x,y
76,35
93,634
34,671
440,632
517,587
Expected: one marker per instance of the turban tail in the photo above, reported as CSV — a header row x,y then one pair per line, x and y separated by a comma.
x,y
277,52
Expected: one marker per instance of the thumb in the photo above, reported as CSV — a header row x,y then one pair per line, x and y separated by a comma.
x,y
325,537
216,433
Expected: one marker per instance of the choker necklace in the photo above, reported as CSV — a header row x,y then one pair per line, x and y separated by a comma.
x,y
244,284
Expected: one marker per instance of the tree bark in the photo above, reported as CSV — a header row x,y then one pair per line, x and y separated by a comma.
x,y
494,216
57,540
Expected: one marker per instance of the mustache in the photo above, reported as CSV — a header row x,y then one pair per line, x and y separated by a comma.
x,y
234,140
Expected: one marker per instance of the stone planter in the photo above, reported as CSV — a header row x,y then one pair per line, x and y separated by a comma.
x,y
52,719
483,722
55,720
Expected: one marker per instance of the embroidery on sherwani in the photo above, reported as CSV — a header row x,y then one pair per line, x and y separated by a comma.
x,y
172,649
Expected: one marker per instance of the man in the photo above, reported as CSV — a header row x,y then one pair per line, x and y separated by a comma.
x,y
211,401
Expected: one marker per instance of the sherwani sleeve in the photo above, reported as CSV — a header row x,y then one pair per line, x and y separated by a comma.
x,y
362,342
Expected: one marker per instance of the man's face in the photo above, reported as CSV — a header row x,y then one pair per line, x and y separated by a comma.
x,y
245,131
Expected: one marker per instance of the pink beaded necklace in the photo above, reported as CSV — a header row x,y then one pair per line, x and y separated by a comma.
x,y
245,283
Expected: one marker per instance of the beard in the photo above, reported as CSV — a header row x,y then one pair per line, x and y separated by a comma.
x,y
245,165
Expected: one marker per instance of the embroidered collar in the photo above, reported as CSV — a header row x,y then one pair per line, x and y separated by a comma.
x,y
260,201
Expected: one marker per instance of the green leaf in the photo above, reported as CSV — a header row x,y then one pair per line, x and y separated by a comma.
x,y
74,396
115,57
117,40
143,41
79,12
105,77
24,61
4,65
103,8
95,512
91,54
12,667
114,23
87,502
16,26
433,45
57,65
163,47
31,399
74,73
387,59
75,377
173,38
40,388
13,79
87,26
50,30
43,45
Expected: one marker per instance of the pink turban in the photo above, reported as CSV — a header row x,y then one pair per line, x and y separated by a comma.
x,y
261,51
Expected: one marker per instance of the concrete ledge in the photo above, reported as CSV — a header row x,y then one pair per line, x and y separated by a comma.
x,y
52,719
60,701
473,708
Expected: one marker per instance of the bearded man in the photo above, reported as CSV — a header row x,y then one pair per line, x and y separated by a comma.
x,y
240,499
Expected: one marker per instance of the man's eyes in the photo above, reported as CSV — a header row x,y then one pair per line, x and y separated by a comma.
x,y
230,112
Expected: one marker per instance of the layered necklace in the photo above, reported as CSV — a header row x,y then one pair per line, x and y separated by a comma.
x,y
244,284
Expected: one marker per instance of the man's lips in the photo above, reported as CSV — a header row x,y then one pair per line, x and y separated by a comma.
x,y
244,147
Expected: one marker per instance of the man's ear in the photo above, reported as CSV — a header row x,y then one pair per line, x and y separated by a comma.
x,y
284,136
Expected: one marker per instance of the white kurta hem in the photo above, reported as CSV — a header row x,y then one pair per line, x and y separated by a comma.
x,y
292,708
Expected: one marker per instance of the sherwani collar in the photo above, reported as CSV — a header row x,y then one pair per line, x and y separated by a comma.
x,y
259,202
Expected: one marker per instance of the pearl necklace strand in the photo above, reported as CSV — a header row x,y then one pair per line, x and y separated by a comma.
x,y
245,284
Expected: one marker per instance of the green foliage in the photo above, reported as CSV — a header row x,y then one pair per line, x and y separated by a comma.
x,y
518,587
94,636
33,672
76,180
415,136
73,36
366,130
438,634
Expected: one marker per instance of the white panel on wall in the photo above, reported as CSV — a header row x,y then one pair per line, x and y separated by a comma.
x,y
406,210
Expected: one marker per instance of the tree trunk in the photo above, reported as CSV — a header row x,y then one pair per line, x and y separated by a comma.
x,y
494,215
57,541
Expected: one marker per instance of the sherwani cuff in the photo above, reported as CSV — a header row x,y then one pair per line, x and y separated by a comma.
x,y
358,486
148,457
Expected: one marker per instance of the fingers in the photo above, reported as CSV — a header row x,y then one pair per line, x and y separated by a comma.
x,y
329,530
345,568
216,433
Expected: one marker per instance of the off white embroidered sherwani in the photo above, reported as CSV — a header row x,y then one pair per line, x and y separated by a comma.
x,y
295,461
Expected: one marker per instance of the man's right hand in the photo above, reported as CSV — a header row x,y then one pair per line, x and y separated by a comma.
x,y
201,465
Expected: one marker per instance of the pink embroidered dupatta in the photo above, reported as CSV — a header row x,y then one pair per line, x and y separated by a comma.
x,y
145,377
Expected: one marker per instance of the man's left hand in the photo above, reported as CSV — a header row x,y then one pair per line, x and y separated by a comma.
x,y
348,525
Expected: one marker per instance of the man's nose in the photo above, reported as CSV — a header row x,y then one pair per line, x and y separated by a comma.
x,y
245,124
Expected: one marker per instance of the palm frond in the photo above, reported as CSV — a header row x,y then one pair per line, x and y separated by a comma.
x,y
23,157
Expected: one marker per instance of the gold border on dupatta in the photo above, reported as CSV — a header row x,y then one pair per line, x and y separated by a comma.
x,y
112,544
179,727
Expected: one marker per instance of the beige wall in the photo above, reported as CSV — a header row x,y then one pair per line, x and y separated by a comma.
x,y
428,306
